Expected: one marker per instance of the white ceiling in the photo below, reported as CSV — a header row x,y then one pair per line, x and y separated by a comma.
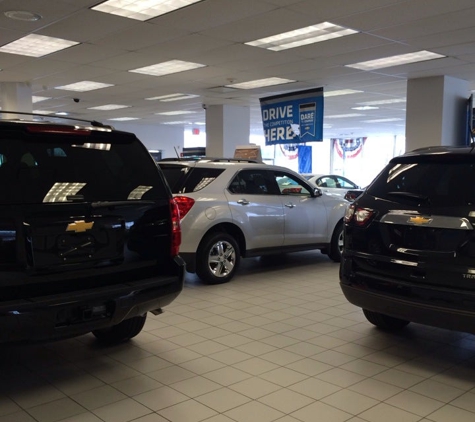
x,y
213,33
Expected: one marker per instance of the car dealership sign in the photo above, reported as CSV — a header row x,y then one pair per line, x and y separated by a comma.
x,y
293,118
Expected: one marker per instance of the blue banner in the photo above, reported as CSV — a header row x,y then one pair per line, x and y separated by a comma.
x,y
293,118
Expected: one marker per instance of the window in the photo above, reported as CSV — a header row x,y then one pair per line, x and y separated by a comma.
x,y
252,182
290,185
183,179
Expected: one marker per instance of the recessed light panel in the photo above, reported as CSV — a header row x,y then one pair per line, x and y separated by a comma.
x,y
303,36
177,122
342,116
365,108
340,92
124,119
35,45
393,119
43,112
418,56
108,107
175,113
172,97
141,9
383,102
84,86
259,83
37,98
167,68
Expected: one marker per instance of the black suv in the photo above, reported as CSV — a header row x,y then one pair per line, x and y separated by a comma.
x,y
89,232
409,243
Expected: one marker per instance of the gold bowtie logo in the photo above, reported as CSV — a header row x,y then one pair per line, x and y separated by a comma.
x,y
79,226
420,220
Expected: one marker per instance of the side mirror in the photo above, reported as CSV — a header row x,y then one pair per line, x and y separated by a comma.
x,y
317,192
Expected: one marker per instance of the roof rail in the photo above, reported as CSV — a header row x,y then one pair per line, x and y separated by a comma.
x,y
211,160
93,122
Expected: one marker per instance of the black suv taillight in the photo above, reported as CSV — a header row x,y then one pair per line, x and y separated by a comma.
x,y
176,228
357,215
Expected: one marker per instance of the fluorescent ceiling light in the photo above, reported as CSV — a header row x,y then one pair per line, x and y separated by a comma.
x,y
259,83
394,119
123,119
418,56
141,9
34,45
61,113
108,107
175,113
303,36
43,112
340,92
327,126
382,102
37,99
172,97
84,86
341,116
167,68
181,122
199,123
365,108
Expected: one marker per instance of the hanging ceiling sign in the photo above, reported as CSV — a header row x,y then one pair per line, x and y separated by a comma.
x,y
293,118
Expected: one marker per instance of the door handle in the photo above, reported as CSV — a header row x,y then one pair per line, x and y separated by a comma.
x,y
289,205
243,202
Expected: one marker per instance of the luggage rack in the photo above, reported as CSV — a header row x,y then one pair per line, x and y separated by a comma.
x,y
210,160
22,113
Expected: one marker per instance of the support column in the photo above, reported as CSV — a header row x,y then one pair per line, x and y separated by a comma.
x,y
16,96
435,112
226,127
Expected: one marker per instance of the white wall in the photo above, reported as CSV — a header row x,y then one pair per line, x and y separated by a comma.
x,y
161,137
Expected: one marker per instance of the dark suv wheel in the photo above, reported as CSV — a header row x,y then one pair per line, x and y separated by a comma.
x,y
217,258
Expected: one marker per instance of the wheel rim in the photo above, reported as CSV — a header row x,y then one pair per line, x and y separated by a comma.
x,y
221,259
341,241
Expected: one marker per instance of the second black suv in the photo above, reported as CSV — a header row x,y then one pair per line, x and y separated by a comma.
x,y
89,233
409,244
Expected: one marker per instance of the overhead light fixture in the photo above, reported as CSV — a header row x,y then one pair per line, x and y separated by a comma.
x,y
181,122
141,9
167,68
400,59
108,107
303,36
340,92
260,83
365,108
34,45
61,113
342,116
392,119
43,112
199,123
327,126
37,98
383,102
172,97
175,113
124,119
84,86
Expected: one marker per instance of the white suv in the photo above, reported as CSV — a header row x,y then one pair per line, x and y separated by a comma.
x,y
232,208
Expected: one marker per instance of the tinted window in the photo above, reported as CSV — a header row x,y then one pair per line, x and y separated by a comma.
x,y
436,184
290,185
58,168
185,179
252,182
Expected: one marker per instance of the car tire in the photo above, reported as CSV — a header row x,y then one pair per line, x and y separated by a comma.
x,y
121,332
336,245
217,258
385,322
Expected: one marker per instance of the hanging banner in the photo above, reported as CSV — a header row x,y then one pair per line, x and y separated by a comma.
x,y
348,148
293,118
305,159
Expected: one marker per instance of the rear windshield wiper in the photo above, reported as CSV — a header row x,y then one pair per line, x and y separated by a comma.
x,y
410,195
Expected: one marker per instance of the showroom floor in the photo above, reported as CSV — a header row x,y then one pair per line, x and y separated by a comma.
x,y
278,343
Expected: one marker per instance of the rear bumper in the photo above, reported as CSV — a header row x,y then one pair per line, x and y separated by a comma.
x,y
61,316
420,304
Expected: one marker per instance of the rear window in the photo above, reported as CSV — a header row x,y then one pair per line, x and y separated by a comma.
x,y
428,183
39,168
185,179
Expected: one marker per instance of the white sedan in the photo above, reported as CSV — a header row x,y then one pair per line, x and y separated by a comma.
x,y
332,183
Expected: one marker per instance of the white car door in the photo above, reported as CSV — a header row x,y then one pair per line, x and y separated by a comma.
x,y
305,215
256,209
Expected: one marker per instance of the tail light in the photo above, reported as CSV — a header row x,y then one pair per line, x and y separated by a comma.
x,y
359,216
176,229
184,204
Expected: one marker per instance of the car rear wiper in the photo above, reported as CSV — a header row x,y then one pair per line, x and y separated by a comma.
x,y
410,195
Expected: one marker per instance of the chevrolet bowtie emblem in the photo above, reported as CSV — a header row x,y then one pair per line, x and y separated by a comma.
x,y
420,220
79,226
